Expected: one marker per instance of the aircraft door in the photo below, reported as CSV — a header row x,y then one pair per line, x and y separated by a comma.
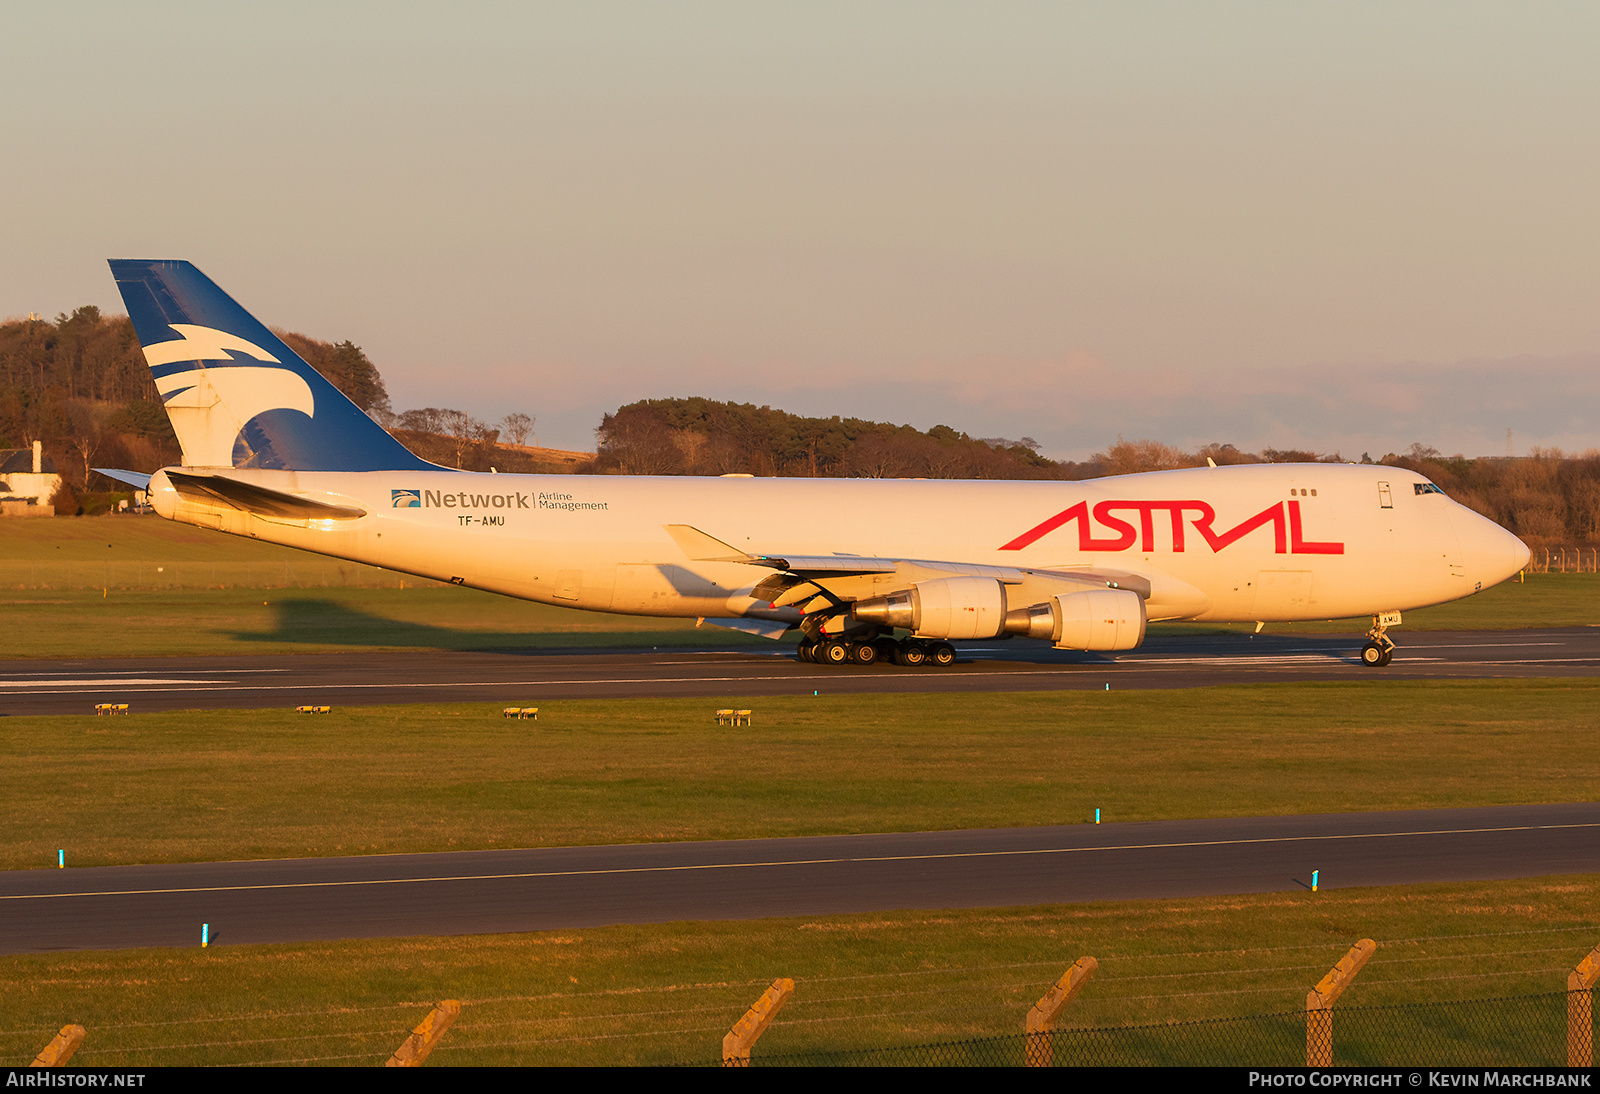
x,y
589,589
1378,574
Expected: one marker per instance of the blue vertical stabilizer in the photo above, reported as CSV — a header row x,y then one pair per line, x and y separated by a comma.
x,y
236,394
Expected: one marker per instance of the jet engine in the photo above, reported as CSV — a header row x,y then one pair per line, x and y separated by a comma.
x,y
1095,619
950,607
975,607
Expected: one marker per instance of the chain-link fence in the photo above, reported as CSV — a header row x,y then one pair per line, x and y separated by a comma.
x,y
1517,1031
1564,560
1521,1031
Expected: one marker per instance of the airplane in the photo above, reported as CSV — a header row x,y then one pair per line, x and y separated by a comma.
x,y
867,570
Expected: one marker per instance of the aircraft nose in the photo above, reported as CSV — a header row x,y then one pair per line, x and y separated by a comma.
x,y
1491,553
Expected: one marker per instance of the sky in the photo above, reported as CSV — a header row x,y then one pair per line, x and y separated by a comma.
x,y
1338,227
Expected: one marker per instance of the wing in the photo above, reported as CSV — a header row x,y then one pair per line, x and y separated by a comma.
x,y
1085,608
836,568
701,547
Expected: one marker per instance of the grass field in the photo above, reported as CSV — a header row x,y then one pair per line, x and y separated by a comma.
x,y
667,994
251,784
96,539
120,586
265,784
124,586
200,622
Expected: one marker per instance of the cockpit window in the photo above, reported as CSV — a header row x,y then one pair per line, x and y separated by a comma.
x,y
1426,488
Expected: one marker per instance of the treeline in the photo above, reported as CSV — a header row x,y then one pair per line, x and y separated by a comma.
x,y
1547,498
455,438
79,384
703,437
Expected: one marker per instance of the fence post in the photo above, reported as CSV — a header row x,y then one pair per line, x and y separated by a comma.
x,y
1319,1003
1580,1010
60,1050
742,1037
1040,1046
425,1038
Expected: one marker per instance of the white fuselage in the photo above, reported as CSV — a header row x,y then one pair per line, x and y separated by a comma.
x,y
1251,542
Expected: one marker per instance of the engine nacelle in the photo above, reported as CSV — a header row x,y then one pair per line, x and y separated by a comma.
x,y
951,607
975,607
1095,619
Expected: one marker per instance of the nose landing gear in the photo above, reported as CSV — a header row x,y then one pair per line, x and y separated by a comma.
x,y
1379,650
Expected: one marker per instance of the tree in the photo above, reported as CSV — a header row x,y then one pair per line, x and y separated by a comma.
x,y
359,378
467,432
346,366
429,419
84,433
143,419
1297,455
1225,454
1133,457
638,442
516,427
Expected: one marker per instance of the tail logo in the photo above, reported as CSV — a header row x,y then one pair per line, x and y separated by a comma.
x,y
202,344
210,405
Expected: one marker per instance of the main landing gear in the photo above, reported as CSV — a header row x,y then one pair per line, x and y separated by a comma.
x,y
1379,650
911,652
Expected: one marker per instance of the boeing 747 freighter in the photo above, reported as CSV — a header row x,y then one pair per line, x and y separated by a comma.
x,y
865,569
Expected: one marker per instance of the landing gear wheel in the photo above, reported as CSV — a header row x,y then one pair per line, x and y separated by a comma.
x,y
911,654
807,652
833,653
1379,650
943,654
887,648
863,653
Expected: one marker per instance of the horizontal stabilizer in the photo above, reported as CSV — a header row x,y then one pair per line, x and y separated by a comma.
x,y
258,499
136,479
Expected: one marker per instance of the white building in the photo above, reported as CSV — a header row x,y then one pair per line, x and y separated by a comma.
x,y
28,481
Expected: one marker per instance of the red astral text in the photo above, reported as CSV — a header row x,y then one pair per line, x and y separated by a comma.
x,y
1284,518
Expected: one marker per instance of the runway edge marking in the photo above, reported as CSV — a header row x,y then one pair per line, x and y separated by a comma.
x,y
800,862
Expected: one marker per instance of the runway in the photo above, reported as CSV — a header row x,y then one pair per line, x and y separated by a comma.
x,y
531,676
572,887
